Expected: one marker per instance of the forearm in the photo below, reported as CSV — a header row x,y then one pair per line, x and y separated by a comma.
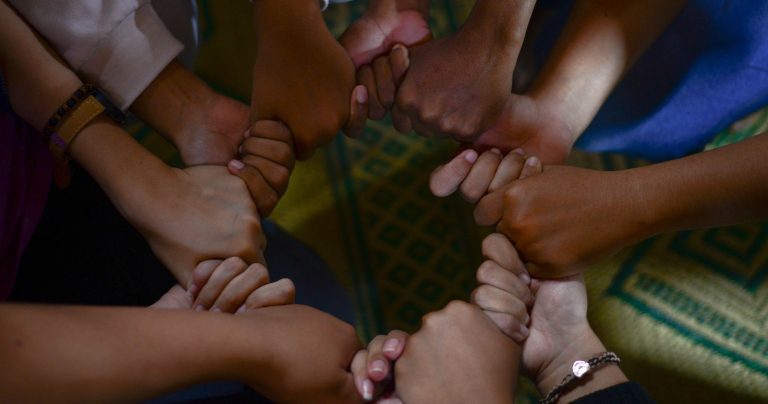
x,y
502,23
80,354
598,45
715,188
580,349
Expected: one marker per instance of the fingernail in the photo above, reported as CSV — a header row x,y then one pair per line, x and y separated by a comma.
x,y
470,156
391,345
236,165
199,307
378,366
398,46
532,161
247,133
496,151
216,310
192,290
519,151
525,278
361,96
367,390
240,149
240,310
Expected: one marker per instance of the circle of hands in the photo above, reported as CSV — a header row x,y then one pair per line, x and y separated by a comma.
x,y
530,289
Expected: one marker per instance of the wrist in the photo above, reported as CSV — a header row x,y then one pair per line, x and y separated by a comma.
x,y
171,100
582,348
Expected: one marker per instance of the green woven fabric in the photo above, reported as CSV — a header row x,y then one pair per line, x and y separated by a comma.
x,y
686,311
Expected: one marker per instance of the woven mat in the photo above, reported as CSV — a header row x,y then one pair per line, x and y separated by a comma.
x,y
687,311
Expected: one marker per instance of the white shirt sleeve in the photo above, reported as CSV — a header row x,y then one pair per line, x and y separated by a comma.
x,y
119,45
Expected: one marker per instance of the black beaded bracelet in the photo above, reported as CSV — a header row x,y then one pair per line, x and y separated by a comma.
x,y
579,369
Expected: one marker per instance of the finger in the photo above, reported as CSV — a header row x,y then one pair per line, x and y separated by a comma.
x,y
277,293
273,150
497,247
358,112
222,275
385,83
491,298
532,167
399,63
359,368
274,130
378,365
509,170
480,176
394,345
491,273
490,208
240,287
276,175
200,276
365,77
509,325
446,178
261,192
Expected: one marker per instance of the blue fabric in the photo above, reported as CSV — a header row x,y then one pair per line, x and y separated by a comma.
x,y
707,70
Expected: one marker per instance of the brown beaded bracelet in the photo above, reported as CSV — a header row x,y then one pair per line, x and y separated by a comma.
x,y
579,369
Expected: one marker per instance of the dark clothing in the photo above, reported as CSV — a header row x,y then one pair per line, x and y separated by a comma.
x,y
624,393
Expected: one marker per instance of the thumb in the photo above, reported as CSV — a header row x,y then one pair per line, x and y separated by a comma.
x,y
490,209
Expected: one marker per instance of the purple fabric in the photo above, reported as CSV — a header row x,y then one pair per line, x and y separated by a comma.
x,y
25,177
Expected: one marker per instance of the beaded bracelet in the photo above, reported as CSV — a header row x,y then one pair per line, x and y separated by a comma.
x,y
579,369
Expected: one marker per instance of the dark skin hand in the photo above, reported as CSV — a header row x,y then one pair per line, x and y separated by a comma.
x,y
436,98
302,76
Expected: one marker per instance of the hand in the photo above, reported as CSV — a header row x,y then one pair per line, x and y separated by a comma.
x,y
384,24
373,367
266,163
504,293
442,361
457,86
436,98
233,286
540,128
377,42
196,214
567,218
176,298
474,177
301,76
308,356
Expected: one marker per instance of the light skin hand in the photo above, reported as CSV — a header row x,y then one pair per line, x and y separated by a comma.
x,y
453,346
436,99
560,335
373,367
233,286
503,290
474,177
377,43
302,76
265,163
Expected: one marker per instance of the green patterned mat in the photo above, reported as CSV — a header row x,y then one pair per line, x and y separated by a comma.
x,y
686,311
